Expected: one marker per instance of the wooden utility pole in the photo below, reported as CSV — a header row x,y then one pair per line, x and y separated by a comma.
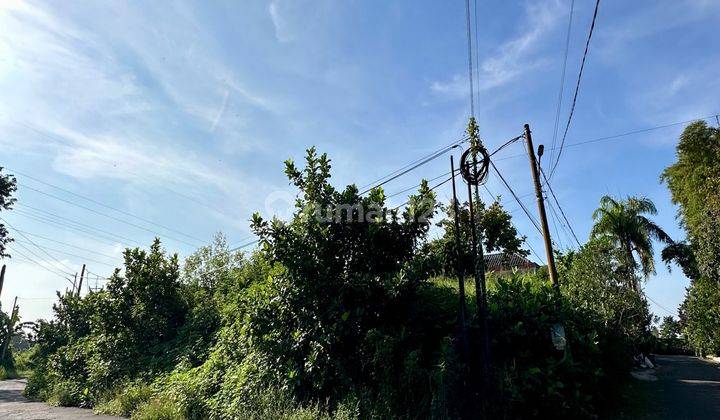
x,y
541,207
82,274
10,329
2,278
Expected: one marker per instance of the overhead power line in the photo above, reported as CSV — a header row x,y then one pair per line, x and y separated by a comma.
x,y
614,136
547,183
492,197
107,215
554,217
66,226
507,143
562,79
70,245
457,170
507,185
431,189
53,270
577,88
96,202
410,167
61,140
414,187
36,245
65,221
470,58
669,312
83,258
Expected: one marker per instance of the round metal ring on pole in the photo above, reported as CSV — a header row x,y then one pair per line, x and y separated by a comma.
x,y
466,166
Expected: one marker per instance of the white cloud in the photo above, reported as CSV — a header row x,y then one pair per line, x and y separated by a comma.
x,y
512,57
282,32
109,102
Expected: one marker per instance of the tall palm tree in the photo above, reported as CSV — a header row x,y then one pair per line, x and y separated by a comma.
x,y
624,223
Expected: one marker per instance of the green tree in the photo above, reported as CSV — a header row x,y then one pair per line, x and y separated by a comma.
x,y
682,254
624,223
104,338
595,279
669,328
8,185
700,316
339,261
493,223
694,182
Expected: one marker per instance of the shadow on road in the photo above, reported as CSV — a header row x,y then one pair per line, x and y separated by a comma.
x,y
686,388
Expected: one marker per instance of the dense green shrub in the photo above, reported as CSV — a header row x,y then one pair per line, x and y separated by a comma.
x,y
332,320
126,400
112,336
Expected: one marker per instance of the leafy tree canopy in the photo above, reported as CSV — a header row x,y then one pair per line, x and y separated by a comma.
x,y
624,223
694,182
7,188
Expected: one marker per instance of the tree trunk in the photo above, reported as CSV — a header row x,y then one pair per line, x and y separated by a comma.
x,y
631,266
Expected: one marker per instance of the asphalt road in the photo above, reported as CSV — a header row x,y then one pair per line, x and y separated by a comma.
x,y
14,406
686,388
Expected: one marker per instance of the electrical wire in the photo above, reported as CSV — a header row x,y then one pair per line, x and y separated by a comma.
x,y
507,143
577,88
53,270
449,146
673,313
470,58
552,192
70,254
492,197
562,80
414,187
36,245
67,227
65,221
555,218
414,166
431,189
57,139
477,53
527,212
70,245
107,215
104,205
615,136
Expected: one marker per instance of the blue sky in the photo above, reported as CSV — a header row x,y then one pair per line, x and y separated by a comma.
x,y
181,113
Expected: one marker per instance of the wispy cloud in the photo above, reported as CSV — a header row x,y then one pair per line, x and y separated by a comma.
x,y
512,58
282,32
124,104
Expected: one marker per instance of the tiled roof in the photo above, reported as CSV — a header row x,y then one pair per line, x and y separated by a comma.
x,y
496,262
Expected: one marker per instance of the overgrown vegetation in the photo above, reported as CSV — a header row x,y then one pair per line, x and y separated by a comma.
x,y
338,316
694,182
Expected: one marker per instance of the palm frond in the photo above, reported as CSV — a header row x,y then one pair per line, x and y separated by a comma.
x,y
642,205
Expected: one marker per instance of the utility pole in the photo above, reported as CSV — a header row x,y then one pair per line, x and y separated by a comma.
x,y
541,208
82,274
460,269
479,258
10,328
2,278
